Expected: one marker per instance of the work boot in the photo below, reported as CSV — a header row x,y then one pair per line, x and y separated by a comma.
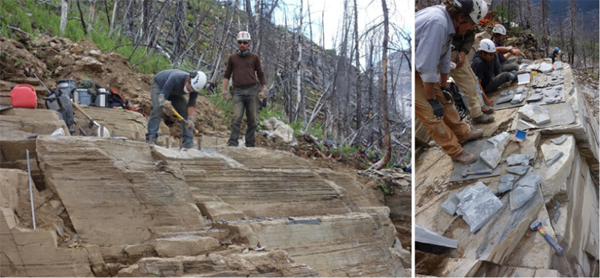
x,y
483,119
465,157
475,134
486,109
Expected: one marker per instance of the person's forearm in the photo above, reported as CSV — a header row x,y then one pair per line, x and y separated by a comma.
x,y
429,91
443,79
502,49
190,111
225,83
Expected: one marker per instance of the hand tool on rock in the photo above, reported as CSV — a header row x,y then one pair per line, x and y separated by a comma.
x,y
537,225
466,172
181,118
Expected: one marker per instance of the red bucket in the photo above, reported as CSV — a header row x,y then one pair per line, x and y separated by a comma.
x,y
23,96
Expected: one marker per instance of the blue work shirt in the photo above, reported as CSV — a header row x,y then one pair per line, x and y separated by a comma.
x,y
171,83
433,40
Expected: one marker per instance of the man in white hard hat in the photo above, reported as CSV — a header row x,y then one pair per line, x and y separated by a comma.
x,y
174,85
434,29
245,70
507,55
465,78
487,69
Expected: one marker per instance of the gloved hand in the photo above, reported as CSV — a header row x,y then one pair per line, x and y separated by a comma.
x,y
189,123
161,100
438,109
263,93
226,96
447,94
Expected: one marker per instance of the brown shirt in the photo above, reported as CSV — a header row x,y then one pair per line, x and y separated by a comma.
x,y
246,71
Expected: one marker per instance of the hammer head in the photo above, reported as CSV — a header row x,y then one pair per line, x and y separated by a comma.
x,y
465,173
535,225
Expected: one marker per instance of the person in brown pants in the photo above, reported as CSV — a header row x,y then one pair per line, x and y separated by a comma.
x,y
434,106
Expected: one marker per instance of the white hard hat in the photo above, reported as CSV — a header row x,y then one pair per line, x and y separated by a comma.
x,y
480,9
476,9
244,35
487,45
499,29
198,81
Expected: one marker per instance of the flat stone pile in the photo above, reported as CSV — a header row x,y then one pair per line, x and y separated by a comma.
x,y
550,177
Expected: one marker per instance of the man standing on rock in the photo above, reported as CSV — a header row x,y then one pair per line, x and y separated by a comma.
x,y
465,78
173,85
434,106
247,72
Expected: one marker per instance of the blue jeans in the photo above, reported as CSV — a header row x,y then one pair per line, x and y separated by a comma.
x,y
244,99
180,105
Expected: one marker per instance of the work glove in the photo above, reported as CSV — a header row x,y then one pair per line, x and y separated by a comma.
x,y
189,124
263,93
226,96
438,109
447,94
161,100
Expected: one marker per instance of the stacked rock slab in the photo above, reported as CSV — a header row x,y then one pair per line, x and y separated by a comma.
x,y
147,210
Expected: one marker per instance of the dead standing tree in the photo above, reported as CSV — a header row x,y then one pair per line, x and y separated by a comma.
x,y
386,129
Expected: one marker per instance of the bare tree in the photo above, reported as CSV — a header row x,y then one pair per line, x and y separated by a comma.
x,y
386,129
357,54
64,12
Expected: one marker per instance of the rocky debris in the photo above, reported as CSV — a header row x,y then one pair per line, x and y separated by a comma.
x,y
505,245
505,96
493,148
559,140
477,205
554,95
517,98
423,235
520,159
278,130
535,113
525,189
221,264
451,204
506,183
518,170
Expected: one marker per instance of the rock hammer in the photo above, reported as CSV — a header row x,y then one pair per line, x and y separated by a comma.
x,y
537,225
466,172
181,118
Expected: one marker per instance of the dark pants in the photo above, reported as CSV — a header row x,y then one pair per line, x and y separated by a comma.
x,y
244,99
496,82
180,105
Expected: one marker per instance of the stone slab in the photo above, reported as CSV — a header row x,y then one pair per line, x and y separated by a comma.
x,y
355,244
473,147
509,104
503,231
557,174
124,190
560,115
423,235
458,267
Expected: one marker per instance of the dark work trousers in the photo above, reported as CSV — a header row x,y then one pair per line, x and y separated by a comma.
x,y
180,105
247,99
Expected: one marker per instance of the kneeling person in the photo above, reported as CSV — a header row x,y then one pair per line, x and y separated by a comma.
x,y
173,85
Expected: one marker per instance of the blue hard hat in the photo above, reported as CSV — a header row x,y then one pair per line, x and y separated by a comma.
x,y
556,49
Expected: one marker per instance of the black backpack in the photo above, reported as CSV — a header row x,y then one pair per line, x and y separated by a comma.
x,y
459,100
59,101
